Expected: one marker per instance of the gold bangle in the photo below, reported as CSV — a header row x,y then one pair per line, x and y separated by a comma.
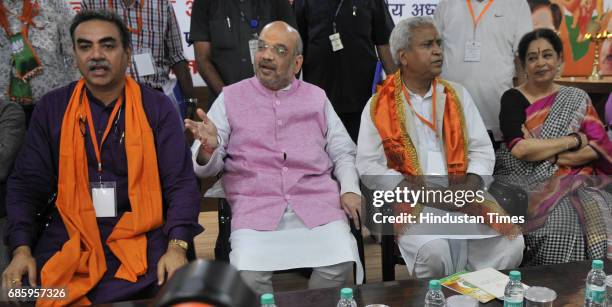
x,y
180,243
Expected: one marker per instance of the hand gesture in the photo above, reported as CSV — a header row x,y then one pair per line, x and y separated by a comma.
x,y
204,131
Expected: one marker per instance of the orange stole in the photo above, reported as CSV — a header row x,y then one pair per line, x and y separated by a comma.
x,y
388,114
80,264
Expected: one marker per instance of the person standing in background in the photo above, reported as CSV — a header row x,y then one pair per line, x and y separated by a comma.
x,y
480,40
343,40
156,39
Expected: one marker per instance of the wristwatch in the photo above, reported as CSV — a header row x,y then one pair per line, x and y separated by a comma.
x,y
180,243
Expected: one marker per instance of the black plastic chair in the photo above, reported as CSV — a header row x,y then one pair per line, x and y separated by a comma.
x,y
389,251
390,256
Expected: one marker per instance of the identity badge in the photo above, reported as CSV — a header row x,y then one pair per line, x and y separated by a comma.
x,y
336,42
472,51
143,62
104,197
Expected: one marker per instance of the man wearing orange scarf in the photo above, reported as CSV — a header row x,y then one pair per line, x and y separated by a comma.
x,y
114,155
418,124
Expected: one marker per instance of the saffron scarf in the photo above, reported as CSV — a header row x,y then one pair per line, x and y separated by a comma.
x,y
80,264
389,117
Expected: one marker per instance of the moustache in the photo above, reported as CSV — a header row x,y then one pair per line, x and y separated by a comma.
x,y
267,64
104,64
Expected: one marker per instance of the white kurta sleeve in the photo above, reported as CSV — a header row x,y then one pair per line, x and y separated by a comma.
x,y
371,159
341,150
218,116
481,157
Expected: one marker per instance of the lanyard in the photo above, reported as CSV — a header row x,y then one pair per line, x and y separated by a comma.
x,y
338,11
92,131
138,30
471,9
432,124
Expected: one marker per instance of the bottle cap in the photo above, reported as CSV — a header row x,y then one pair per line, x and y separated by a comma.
x,y
267,299
597,264
515,275
346,293
434,284
254,23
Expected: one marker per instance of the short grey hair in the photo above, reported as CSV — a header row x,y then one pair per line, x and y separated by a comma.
x,y
402,33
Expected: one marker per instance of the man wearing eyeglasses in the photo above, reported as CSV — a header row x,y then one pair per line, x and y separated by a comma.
x,y
278,141
223,33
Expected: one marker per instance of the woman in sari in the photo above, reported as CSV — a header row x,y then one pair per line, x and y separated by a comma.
x,y
558,149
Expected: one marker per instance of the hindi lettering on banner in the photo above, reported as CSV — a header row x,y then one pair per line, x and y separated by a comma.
x,y
186,38
413,8
430,9
417,9
396,9
421,9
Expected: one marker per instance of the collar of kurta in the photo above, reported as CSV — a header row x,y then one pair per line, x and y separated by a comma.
x,y
286,91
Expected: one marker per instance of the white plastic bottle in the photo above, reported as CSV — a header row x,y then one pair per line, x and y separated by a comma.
x,y
267,300
595,291
435,297
513,295
346,298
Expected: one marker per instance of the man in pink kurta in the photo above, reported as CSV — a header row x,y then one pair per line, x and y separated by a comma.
x,y
288,169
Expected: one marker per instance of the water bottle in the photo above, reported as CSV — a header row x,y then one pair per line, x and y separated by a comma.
x,y
513,295
434,297
267,300
346,298
595,291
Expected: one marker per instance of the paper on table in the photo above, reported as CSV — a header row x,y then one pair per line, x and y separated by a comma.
x,y
489,280
457,284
